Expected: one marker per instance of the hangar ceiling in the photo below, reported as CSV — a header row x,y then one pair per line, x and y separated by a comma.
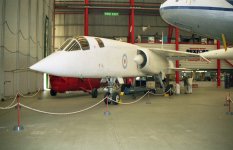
x,y
142,7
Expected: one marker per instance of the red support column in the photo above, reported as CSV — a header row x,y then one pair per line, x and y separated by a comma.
x,y
53,25
131,25
170,32
218,67
86,18
129,36
177,61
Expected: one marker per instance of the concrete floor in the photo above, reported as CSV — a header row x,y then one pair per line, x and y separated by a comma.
x,y
196,121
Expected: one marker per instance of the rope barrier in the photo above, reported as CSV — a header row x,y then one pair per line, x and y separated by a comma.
x,y
69,113
139,98
20,93
9,106
130,102
5,108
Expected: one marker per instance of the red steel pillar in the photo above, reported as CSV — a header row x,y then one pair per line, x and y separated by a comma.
x,y
53,25
177,61
86,18
131,23
129,36
218,67
170,32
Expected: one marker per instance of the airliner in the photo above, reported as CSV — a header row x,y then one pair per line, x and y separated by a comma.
x,y
210,18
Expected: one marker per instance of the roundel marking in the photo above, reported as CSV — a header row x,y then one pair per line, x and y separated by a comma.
x,y
124,61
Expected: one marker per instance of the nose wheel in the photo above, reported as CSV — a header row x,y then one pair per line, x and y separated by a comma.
x,y
112,92
94,93
115,98
53,92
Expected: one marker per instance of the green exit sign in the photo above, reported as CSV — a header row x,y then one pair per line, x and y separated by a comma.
x,y
111,13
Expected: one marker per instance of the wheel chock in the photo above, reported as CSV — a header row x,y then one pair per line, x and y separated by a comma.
x,y
166,95
120,101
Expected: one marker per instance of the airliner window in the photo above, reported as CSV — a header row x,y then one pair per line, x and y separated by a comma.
x,y
100,42
73,46
84,43
65,44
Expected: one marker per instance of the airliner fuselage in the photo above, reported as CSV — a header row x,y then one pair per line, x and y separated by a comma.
x,y
205,17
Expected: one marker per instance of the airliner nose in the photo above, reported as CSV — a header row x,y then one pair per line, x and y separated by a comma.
x,y
166,13
163,11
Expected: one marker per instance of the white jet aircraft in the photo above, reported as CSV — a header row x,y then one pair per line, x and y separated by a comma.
x,y
210,18
93,57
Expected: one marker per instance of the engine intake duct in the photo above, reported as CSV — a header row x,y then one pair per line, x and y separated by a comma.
x,y
141,59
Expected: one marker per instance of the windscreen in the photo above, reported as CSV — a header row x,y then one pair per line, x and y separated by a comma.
x,y
65,44
84,43
73,46
100,42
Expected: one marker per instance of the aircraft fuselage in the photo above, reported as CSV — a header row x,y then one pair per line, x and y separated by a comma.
x,y
114,59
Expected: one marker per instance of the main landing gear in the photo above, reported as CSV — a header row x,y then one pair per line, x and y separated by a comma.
x,y
94,93
112,95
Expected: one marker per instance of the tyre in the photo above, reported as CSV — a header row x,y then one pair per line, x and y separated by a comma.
x,y
53,93
106,96
115,98
94,93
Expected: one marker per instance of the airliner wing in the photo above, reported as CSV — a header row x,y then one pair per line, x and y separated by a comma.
x,y
177,55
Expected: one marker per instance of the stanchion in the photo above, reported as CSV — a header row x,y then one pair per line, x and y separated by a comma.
x,y
148,99
228,103
18,127
107,113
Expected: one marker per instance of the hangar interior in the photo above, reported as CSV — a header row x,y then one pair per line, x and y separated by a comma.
x,y
33,29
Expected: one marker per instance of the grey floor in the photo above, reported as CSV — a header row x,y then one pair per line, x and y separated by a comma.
x,y
196,121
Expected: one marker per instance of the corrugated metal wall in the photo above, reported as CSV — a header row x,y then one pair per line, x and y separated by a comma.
x,y
22,43
69,25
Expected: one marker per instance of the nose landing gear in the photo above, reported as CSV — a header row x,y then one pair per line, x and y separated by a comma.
x,y
112,95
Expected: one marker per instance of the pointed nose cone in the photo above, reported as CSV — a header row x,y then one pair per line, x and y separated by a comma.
x,y
48,64
40,66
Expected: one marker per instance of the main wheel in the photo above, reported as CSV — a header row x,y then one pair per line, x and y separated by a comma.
x,y
106,96
53,93
115,98
94,93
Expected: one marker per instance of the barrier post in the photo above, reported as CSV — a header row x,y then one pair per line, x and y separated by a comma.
x,y
148,98
18,127
107,113
228,103
229,110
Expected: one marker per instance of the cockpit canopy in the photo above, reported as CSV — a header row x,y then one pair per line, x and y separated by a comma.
x,y
79,43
